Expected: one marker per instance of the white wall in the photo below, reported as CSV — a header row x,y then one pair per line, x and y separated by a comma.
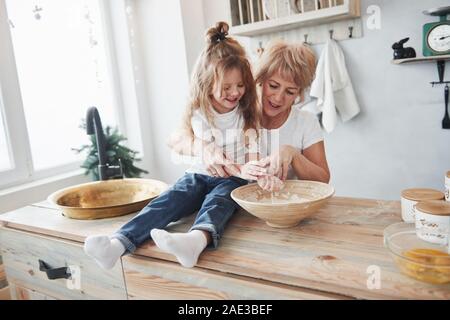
x,y
397,141
165,77
216,10
193,29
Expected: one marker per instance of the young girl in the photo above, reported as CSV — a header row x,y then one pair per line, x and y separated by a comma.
x,y
223,97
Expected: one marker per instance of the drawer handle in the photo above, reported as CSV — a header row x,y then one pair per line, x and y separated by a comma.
x,y
54,273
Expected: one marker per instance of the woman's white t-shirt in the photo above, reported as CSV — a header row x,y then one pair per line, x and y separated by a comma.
x,y
301,130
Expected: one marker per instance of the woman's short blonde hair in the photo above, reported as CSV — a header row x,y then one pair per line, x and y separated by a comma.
x,y
291,61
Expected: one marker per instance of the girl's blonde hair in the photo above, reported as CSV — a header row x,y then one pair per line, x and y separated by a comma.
x,y
291,61
220,55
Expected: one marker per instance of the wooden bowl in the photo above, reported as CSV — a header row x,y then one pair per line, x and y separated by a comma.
x,y
309,197
106,199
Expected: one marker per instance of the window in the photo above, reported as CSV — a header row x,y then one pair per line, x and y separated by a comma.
x,y
5,162
62,66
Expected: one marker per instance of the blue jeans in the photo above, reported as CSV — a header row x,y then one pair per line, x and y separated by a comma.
x,y
192,192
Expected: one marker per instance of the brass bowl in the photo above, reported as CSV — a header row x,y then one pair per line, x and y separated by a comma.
x,y
106,199
310,196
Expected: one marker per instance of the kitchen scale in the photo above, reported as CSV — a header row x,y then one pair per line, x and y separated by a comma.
x,y
436,35
436,42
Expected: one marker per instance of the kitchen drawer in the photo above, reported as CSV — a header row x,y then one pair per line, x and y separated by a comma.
x,y
154,279
22,251
19,292
4,293
3,282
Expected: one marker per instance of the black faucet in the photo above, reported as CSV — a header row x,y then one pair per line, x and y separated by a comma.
x,y
94,126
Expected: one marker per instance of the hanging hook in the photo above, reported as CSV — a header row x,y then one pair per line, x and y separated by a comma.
x,y
36,10
331,33
306,38
260,49
350,30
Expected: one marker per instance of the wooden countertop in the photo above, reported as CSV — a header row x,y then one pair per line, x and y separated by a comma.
x,y
332,252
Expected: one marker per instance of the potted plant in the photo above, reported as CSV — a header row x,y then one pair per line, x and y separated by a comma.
x,y
114,151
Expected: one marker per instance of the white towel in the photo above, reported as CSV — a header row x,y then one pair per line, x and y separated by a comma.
x,y
332,87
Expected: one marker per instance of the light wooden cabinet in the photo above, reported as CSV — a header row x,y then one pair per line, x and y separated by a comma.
x,y
22,252
325,257
155,279
3,282
18,292
5,294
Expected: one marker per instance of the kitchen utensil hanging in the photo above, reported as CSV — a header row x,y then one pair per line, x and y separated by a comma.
x,y
446,120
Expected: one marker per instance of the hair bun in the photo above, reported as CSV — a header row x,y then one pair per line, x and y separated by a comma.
x,y
218,33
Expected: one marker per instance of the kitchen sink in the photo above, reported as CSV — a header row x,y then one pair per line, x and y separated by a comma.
x,y
108,198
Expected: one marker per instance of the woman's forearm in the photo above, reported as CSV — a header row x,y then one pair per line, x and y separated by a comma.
x,y
305,169
183,144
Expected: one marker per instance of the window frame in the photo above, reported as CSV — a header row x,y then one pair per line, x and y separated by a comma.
x,y
22,170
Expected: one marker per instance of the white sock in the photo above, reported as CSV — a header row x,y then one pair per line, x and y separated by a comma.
x,y
186,247
104,250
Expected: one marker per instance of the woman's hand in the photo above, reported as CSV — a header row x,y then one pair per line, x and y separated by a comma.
x,y
270,183
280,160
253,170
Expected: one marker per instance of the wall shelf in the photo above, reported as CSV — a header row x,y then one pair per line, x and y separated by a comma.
x,y
439,60
422,59
347,10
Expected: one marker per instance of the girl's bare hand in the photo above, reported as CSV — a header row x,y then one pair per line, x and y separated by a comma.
x,y
216,163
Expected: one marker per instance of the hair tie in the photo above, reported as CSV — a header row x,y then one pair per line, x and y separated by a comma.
x,y
219,36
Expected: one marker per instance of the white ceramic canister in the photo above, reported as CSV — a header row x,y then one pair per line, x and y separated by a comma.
x,y
410,197
433,221
447,186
